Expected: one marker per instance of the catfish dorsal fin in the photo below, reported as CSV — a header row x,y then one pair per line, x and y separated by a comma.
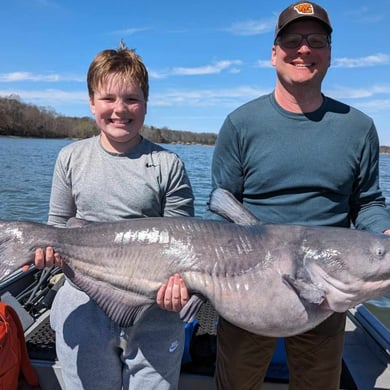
x,y
223,203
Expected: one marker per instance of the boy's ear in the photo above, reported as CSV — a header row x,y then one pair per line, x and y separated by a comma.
x,y
92,105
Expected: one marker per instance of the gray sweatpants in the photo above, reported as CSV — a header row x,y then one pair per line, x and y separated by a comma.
x,y
95,353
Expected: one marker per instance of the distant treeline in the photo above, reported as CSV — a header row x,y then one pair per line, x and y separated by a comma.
x,y
385,149
27,120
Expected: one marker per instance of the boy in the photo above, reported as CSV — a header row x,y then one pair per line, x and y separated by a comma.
x,y
117,175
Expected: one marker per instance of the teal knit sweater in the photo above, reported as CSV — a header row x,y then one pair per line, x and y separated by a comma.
x,y
318,168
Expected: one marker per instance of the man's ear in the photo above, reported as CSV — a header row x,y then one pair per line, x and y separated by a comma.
x,y
273,55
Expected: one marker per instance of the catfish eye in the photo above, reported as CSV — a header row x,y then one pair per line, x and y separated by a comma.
x,y
380,251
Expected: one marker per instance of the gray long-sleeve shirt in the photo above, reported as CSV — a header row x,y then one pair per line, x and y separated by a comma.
x,y
93,184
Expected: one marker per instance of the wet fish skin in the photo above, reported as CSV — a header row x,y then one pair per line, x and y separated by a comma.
x,y
274,280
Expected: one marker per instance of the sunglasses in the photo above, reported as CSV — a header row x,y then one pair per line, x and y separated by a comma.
x,y
293,41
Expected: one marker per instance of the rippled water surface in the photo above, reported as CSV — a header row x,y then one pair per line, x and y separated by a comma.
x,y
25,177
27,166
384,169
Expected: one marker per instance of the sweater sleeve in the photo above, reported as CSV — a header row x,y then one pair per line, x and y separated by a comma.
x,y
368,208
226,169
178,199
62,206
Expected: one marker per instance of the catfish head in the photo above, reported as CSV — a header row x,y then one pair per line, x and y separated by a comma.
x,y
340,268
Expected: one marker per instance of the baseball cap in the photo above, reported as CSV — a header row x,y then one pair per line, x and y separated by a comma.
x,y
301,10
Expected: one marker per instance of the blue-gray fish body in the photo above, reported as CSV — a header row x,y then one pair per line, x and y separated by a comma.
x,y
274,280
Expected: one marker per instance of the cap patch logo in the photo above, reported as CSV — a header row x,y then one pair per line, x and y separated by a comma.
x,y
304,9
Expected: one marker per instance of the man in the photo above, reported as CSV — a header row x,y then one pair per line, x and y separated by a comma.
x,y
295,156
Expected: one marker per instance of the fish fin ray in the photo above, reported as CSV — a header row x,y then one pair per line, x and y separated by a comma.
x,y
305,289
124,307
223,203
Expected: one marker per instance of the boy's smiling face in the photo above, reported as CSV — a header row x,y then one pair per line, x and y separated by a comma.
x,y
119,108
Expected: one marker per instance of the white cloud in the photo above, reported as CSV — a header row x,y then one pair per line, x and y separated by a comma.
x,y
361,62
264,64
375,105
342,92
217,67
27,76
130,31
206,97
48,95
252,27
214,68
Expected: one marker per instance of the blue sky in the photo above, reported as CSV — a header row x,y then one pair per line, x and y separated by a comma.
x,y
205,58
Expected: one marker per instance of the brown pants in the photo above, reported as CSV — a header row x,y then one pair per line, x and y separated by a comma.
x,y
314,358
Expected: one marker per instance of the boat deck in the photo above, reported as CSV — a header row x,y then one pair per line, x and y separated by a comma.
x,y
365,356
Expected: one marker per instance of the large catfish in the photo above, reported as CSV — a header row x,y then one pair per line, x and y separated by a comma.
x,y
273,280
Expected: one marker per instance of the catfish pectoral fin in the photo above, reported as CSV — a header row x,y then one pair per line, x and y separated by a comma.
x,y
306,290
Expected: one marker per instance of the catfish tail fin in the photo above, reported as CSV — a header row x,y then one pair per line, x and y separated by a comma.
x,y
16,246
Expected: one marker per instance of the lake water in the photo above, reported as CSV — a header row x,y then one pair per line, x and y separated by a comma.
x,y
27,166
